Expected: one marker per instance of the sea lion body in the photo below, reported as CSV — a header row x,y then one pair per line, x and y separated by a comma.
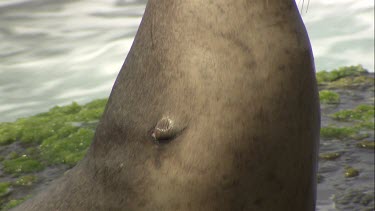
x,y
215,108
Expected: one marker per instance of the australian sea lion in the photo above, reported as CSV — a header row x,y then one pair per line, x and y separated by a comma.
x,y
215,108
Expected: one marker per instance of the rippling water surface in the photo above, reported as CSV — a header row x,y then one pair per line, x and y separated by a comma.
x,y
56,52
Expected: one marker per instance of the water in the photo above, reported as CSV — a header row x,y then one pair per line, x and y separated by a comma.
x,y
56,52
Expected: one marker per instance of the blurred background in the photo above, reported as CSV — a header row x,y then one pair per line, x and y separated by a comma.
x,y
56,52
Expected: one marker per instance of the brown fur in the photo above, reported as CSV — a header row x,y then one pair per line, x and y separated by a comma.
x,y
237,79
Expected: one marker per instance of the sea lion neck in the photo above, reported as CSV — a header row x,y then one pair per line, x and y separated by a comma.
x,y
231,9
185,47
194,18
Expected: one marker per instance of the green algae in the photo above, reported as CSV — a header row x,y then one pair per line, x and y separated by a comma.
x,y
40,127
362,116
359,136
367,125
35,129
67,150
367,144
344,77
342,72
92,111
33,152
359,113
23,164
50,138
330,155
329,97
12,155
352,81
26,180
351,172
8,133
73,108
14,202
4,189
331,132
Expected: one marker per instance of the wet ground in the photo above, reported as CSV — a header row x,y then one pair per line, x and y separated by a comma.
x,y
335,191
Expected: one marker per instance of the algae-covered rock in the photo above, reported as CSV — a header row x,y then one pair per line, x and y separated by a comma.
x,y
359,113
333,132
329,76
35,129
360,135
8,133
14,202
23,164
351,172
329,97
362,118
26,180
352,82
367,125
12,155
4,189
66,149
367,144
55,140
329,155
354,199
345,77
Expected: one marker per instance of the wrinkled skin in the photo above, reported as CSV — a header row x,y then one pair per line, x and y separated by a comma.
x,y
215,108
